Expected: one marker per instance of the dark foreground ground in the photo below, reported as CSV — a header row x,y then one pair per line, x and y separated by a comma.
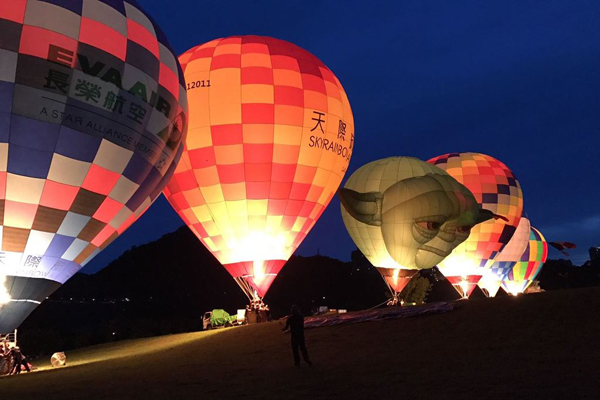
x,y
539,346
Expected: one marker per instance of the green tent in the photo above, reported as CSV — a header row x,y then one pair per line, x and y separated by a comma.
x,y
221,317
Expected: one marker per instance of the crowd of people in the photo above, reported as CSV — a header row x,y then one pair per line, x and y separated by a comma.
x,y
12,360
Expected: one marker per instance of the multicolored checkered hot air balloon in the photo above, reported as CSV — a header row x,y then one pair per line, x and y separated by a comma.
x,y
496,189
271,135
92,117
506,259
529,265
405,215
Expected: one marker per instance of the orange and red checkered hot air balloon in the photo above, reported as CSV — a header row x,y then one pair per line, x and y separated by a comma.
x,y
496,189
270,137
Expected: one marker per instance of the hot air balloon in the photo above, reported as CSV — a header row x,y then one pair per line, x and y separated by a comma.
x,y
405,214
92,117
529,265
506,259
271,135
496,189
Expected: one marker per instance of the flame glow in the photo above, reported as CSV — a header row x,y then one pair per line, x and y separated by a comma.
x,y
459,264
259,246
395,276
515,287
4,296
259,271
490,284
464,285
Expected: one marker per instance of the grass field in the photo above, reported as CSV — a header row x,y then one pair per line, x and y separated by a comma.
x,y
539,346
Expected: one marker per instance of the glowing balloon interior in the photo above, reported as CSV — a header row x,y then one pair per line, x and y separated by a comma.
x,y
271,135
92,117
529,265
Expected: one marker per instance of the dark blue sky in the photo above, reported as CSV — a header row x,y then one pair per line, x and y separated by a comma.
x,y
517,80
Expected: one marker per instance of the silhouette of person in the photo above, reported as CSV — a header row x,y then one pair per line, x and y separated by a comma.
x,y
295,323
17,360
24,362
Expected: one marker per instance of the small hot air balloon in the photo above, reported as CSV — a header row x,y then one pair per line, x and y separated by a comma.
x,y
405,214
92,117
506,259
496,189
529,265
271,135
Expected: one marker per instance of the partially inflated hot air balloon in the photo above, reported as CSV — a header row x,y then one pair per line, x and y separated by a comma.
x,y
506,259
496,189
405,214
271,135
529,265
92,117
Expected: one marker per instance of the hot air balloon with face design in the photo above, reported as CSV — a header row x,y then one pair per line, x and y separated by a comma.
x,y
405,214
271,135
496,189
92,117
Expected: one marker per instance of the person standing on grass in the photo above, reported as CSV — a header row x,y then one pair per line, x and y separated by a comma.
x,y
295,323
17,360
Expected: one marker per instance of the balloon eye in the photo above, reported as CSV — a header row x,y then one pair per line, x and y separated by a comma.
x,y
463,229
430,225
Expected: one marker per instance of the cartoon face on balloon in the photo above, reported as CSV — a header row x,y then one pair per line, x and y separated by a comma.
x,y
421,218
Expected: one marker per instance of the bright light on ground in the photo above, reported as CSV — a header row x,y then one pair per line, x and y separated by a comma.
x,y
491,284
516,287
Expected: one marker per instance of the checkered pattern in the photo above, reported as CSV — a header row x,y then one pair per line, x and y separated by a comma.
x,y
250,185
513,251
529,265
496,189
75,169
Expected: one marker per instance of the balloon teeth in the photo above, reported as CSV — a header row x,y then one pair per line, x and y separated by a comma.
x,y
435,250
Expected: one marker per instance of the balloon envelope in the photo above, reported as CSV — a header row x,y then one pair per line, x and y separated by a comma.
x,y
507,258
404,213
271,136
92,116
529,265
496,189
